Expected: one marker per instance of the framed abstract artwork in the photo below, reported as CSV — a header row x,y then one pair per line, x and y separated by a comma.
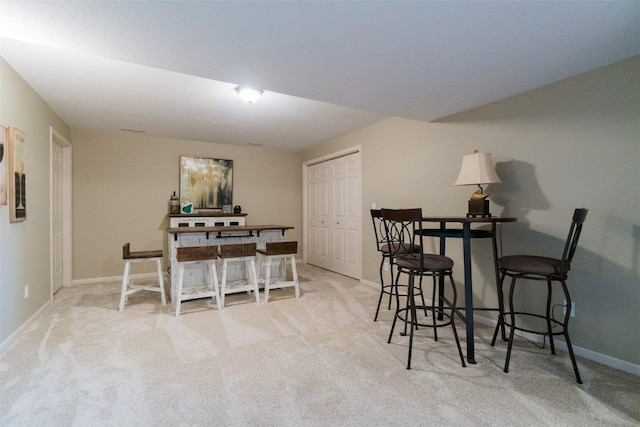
x,y
205,184
4,153
17,177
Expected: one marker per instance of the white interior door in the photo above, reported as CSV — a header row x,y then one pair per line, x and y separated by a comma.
x,y
346,215
60,214
57,168
333,215
317,215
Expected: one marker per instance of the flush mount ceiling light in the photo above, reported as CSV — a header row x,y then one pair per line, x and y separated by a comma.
x,y
248,94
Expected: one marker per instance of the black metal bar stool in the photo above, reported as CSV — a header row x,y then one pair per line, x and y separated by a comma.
x,y
402,227
392,288
550,270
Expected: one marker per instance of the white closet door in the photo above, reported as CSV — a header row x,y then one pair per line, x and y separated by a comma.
x,y
317,215
333,215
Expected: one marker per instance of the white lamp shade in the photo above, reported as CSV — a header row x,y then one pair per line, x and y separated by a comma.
x,y
477,168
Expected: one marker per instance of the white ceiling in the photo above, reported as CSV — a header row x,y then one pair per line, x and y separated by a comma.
x,y
327,68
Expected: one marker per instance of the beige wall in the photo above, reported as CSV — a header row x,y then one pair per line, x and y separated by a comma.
x,y
572,144
24,246
122,184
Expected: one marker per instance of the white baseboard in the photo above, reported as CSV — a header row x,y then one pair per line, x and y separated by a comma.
x,y
6,344
603,359
370,284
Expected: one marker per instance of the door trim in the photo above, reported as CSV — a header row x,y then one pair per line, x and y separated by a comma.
x,y
305,167
57,138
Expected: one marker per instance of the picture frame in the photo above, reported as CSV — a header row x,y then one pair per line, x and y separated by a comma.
x,y
4,154
205,183
17,176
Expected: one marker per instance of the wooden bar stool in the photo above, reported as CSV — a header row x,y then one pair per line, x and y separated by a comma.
x,y
206,255
135,257
279,251
241,252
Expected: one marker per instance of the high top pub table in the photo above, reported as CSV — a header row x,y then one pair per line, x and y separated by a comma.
x,y
466,233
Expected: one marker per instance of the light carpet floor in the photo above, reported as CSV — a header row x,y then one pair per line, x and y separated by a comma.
x,y
316,361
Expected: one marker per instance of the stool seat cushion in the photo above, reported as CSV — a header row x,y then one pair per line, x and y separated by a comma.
x,y
431,262
279,248
127,254
238,250
196,253
402,248
532,264
144,254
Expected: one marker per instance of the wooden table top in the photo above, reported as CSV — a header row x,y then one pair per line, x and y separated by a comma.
x,y
467,219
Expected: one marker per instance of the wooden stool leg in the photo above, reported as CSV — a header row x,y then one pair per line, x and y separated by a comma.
x,y
224,283
282,265
179,288
294,272
253,278
260,266
125,285
161,282
213,278
267,279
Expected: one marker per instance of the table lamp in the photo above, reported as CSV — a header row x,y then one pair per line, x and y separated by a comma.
x,y
477,169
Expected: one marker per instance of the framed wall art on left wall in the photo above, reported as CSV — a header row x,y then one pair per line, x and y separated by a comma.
x,y
17,176
3,165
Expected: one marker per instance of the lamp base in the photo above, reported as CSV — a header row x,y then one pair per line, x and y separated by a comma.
x,y
479,207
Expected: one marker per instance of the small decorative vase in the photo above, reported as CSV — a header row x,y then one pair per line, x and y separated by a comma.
x,y
174,204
